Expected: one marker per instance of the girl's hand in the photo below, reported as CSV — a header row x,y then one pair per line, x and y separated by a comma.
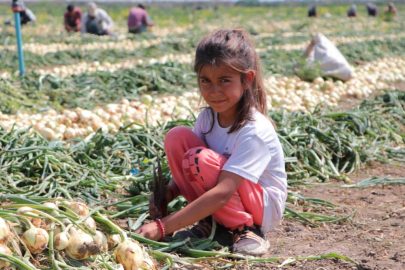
x,y
154,213
150,231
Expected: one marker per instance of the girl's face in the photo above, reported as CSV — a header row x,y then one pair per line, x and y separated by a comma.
x,y
222,88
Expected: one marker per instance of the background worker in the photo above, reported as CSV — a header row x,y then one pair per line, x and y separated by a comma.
x,y
138,20
372,10
73,18
390,13
26,15
352,11
96,21
312,11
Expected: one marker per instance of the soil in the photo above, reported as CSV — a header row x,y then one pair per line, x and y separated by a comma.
x,y
374,237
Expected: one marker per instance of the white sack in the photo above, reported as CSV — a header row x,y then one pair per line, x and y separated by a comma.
x,y
329,59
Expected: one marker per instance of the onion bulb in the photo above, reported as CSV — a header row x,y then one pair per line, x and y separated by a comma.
x,y
101,239
36,239
4,231
50,205
146,99
25,209
91,223
81,245
6,250
79,208
61,240
53,206
113,240
129,254
148,262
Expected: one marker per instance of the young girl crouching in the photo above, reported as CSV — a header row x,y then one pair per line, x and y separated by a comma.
x,y
231,165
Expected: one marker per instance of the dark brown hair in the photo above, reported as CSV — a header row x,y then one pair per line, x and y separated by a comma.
x,y
234,49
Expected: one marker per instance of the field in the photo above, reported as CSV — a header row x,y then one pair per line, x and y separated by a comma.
x,y
87,120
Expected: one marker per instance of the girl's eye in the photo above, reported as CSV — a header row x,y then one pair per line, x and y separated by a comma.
x,y
225,80
203,80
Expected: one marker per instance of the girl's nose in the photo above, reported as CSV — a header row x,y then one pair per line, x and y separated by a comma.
x,y
215,90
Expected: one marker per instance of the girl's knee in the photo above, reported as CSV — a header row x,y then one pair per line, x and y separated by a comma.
x,y
194,152
192,163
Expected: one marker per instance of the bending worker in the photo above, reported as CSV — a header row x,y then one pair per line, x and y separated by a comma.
x,y
73,18
372,10
138,20
96,21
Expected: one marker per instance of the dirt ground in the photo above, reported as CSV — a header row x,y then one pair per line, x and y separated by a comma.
x,y
375,237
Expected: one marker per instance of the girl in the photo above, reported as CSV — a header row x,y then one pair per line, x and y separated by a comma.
x,y
231,165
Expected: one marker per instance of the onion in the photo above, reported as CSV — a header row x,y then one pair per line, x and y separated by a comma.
x,y
4,231
146,99
113,240
6,250
129,254
81,245
319,81
79,208
61,240
101,239
91,223
148,262
36,239
25,209
51,205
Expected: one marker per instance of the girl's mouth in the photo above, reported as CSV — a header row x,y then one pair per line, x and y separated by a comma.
x,y
217,101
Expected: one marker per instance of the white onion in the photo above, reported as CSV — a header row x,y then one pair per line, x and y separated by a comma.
x,y
81,245
101,239
129,254
36,239
146,99
78,208
113,240
25,209
61,240
91,223
4,231
6,250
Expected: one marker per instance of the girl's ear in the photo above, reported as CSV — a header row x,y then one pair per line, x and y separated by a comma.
x,y
249,76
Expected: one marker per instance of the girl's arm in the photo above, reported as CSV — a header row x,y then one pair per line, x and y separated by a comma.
x,y
207,204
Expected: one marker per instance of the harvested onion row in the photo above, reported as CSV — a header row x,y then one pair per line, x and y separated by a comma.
x,y
289,93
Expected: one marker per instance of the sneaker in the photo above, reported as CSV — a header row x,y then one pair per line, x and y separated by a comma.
x,y
250,241
203,230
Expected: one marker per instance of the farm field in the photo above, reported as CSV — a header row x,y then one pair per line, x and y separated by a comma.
x,y
87,120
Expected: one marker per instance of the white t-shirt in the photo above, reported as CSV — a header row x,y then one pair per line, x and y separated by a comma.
x,y
255,153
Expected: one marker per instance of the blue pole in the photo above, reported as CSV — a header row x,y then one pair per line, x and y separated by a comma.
x,y
17,20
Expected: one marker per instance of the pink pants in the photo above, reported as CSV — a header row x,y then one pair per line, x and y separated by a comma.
x,y
196,168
